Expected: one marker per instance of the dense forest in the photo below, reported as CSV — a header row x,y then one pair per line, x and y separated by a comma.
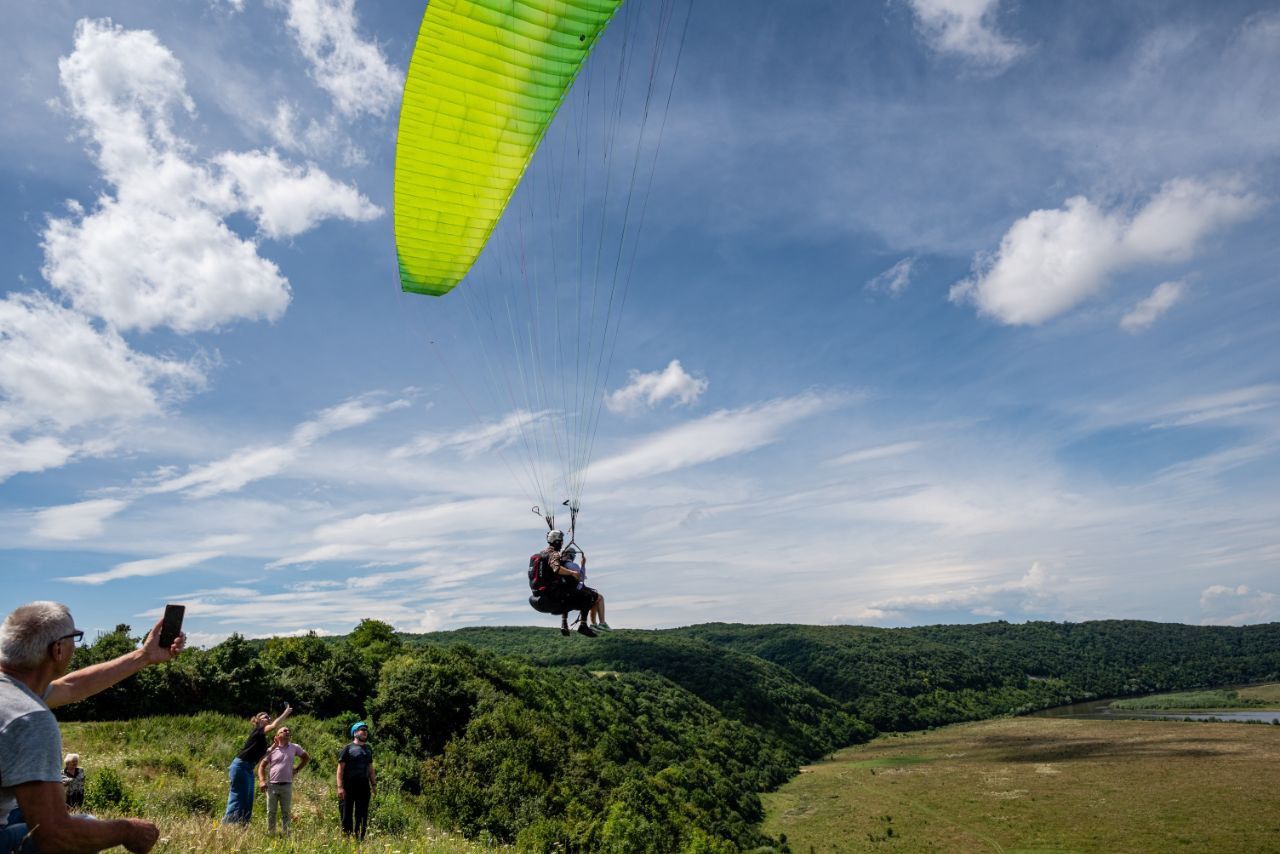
x,y
660,740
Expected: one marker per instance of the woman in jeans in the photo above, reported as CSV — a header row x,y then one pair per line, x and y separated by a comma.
x,y
240,798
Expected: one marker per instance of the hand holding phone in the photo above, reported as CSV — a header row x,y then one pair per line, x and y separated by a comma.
x,y
172,626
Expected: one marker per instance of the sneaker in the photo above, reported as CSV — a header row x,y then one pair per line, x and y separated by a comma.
x,y
584,629
602,627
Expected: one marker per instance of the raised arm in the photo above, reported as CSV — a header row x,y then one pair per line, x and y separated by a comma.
x,y
88,681
288,710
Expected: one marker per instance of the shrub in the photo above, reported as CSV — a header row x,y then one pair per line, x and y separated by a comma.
x,y
105,791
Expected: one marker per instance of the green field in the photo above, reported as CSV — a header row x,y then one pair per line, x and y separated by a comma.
x,y
1040,784
1221,699
173,771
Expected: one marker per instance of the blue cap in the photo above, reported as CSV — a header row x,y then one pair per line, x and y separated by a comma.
x,y
358,725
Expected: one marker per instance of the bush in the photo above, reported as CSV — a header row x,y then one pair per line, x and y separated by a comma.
x,y
104,791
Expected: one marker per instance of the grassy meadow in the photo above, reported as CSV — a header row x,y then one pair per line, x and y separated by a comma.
x,y
1214,700
1041,784
173,771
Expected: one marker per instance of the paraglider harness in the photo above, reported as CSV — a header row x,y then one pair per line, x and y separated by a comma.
x,y
548,591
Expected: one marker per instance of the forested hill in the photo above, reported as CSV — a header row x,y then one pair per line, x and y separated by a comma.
x,y
911,678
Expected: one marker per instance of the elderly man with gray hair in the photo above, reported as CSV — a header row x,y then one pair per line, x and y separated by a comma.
x,y
36,645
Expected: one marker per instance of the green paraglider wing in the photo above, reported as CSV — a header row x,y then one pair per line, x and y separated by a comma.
x,y
485,81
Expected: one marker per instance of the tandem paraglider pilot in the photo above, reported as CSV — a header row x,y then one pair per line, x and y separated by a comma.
x,y
37,642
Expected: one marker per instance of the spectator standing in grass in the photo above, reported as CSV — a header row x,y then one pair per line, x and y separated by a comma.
x,y
240,797
357,783
37,642
73,780
275,776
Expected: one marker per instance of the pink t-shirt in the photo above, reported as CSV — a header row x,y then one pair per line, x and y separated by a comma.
x,y
280,762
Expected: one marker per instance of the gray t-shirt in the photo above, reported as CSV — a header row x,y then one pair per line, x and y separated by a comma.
x,y
30,743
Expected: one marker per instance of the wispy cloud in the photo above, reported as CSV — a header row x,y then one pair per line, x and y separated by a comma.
x,y
249,464
1149,310
722,434
1052,260
77,521
147,567
351,69
1218,406
481,439
894,280
966,29
671,383
879,452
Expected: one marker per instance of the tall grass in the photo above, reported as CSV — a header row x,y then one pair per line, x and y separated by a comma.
x,y
173,771
1188,700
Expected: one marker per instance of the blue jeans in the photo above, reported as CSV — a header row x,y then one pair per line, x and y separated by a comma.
x,y
13,834
240,798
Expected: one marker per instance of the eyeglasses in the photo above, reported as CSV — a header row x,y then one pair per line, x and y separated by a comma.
x,y
75,636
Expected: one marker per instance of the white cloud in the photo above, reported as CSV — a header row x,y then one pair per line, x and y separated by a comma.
x,y
287,200
353,71
877,453
1051,260
77,521
671,383
32,455
184,268
1145,313
147,567
1238,605
716,436
1023,594
966,28
56,369
894,280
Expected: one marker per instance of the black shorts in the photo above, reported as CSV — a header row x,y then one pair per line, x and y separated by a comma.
x,y
580,600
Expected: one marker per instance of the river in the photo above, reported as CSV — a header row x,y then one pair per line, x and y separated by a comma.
x,y
1101,710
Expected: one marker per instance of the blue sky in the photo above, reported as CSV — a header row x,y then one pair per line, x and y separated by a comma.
x,y
942,311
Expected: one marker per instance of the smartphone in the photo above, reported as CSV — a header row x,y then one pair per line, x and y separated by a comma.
x,y
172,626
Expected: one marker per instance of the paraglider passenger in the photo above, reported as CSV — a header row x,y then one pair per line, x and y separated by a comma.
x,y
357,783
37,642
569,595
275,775
240,798
596,612
73,780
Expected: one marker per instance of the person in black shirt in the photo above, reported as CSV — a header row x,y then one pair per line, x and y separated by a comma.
x,y
240,798
356,781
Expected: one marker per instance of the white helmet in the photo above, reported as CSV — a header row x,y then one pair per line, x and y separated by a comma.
x,y
554,537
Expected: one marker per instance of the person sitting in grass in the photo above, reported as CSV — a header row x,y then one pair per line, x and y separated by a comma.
x,y
240,797
73,780
36,644
275,777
